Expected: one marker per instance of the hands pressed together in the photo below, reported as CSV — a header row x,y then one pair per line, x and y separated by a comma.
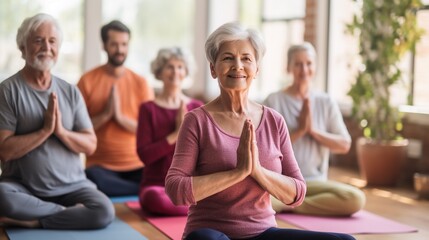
x,y
53,123
112,110
248,164
305,118
113,106
335,142
83,140
172,137
278,185
247,152
180,114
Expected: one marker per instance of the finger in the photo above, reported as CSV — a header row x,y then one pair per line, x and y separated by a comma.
x,y
182,107
249,133
51,102
55,107
249,130
253,133
245,141
307,104
244,130
54,97
306,100
115,91
112,92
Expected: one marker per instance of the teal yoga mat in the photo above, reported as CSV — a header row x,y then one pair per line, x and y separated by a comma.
x,y
123,199
117,230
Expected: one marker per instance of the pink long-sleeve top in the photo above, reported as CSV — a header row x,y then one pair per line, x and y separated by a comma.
x,y
154,125
243,210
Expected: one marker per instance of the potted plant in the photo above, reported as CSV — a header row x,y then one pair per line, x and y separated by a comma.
x,y
386,30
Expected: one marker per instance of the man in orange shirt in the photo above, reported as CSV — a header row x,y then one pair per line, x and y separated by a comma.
x,y
113,94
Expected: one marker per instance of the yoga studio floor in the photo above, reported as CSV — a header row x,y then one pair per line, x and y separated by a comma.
x,y
397,204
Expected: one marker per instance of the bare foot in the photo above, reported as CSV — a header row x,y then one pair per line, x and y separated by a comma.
x,y
19,223
79,205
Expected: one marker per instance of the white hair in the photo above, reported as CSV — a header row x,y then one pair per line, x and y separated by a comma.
x,y
233,31
31,24
165,54
305,46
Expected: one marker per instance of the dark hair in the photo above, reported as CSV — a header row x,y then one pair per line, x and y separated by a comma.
x,y
113,25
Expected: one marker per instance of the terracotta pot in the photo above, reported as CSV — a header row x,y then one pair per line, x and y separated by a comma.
x,y
381,163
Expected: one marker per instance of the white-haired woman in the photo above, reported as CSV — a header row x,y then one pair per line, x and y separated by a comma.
x,y
233,153
316,128
158,125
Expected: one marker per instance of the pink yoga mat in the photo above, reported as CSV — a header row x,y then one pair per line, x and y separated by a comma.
x,y
362,222
171,226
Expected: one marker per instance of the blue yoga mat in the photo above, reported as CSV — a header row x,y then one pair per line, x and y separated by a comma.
x,y
117,230
124,199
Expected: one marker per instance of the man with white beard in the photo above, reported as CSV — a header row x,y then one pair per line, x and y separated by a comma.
x,y
44,125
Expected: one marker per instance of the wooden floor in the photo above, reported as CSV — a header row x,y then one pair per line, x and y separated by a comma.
x,y
401,205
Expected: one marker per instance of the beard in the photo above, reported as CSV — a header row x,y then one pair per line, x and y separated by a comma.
x,y
42,65
115,59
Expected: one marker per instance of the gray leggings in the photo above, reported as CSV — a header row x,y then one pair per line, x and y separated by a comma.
x,y
95,210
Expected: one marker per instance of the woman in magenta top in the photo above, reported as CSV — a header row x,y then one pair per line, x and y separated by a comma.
x,y
232,153
158,126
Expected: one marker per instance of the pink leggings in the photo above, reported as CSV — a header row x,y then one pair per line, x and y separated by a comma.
x,y
153,199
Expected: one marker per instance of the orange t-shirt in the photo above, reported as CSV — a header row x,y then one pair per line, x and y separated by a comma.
x,y
116,147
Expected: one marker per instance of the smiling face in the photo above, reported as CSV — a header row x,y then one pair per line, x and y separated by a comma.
x,y
302,67
173,73
116,47
41,48
235,65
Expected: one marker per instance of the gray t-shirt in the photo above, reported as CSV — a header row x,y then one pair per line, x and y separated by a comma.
x,y
51,169
312,157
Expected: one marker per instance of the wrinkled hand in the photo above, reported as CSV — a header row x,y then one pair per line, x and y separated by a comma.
x,y
256,165
58,123
50,114
244,150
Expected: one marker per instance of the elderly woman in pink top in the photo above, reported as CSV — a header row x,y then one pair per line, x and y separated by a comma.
x,y
233,153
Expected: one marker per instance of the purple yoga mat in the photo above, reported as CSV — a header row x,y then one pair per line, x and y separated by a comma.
x,y
362,222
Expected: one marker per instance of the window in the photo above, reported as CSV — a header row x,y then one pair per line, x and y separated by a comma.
x,y
421,59
343,50
344,61
281,24
69,15
153,25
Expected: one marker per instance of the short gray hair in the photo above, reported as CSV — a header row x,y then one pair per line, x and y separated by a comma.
x,y
233,31
165,54
305,46
30,25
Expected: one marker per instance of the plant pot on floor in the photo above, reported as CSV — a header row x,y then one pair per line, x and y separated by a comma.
x,y
381,163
